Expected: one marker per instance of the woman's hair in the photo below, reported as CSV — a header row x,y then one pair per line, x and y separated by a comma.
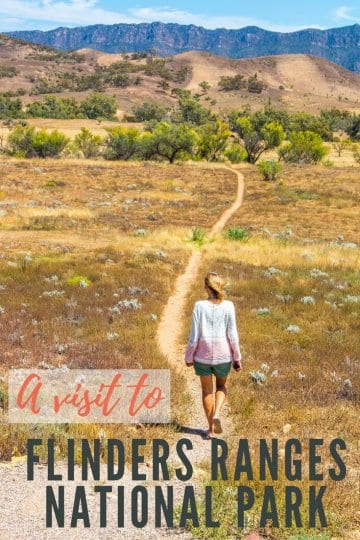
x,y
216,284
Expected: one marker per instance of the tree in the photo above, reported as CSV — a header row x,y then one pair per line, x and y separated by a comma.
x,y
27,142
191,111
98,105
353,130
88,143
257,141
254,85
205,86
121,143
146,149
10,108
20,142
120,80
228,83
149,110
54,107
340,145
307,122
304,147
173,141
213,140
236,153
336,119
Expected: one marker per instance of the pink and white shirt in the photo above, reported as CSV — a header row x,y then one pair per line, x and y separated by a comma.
x,y
213,336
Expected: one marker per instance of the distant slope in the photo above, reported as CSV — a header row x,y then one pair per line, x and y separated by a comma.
x,y
294,82
340,45
296,73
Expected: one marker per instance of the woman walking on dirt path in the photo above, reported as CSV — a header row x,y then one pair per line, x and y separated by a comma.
x,y
213,347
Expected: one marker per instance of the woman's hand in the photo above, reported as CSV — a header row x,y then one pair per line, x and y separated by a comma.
x,y
189,365
237,366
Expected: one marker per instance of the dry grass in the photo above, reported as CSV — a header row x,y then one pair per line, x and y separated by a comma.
x,y
315,390
315,202
322,84
94,196
45,318
49,322
78,329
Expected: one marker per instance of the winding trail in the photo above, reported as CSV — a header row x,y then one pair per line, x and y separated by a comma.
x,y
169,331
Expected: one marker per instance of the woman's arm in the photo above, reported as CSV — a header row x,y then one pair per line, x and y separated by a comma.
x,y
193,338
233,336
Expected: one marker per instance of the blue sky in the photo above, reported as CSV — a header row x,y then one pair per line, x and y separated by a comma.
x,y
281,16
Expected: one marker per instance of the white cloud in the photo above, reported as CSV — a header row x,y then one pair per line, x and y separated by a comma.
x,y
199,19
345,13
47,14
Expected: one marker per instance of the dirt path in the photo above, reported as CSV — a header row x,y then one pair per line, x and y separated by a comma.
x,y
169,330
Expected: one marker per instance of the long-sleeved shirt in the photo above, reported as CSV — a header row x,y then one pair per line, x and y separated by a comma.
x,y
213,336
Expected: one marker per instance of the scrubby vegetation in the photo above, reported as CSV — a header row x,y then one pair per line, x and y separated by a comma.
x,y
238,82
190,130
126,72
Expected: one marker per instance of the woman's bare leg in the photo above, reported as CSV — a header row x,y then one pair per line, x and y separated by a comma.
x,y
208,399
220,396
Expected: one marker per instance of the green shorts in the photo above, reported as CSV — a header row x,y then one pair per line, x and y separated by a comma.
x,y
219,370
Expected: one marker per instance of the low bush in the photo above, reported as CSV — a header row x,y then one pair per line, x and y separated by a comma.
x,y
27,142
236,233
269,169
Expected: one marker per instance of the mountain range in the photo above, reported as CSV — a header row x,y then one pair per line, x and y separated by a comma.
x,y
340,45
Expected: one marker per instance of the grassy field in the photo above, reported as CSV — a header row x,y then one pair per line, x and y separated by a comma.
x,y
307,203
77,241
80,238
95,197
297,297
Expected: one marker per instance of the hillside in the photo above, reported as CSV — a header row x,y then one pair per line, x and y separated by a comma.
x,y
299,82
340,45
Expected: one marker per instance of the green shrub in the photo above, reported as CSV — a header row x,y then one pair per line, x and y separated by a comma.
x,y
10,108
8,71
172,141
236,233
190,111
269,169
53,107
88,143
228,83
98,105
27,142
213,139
353,129
122,143
49,144
304,147
79,281
255,86
198,235
149,111
236,153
